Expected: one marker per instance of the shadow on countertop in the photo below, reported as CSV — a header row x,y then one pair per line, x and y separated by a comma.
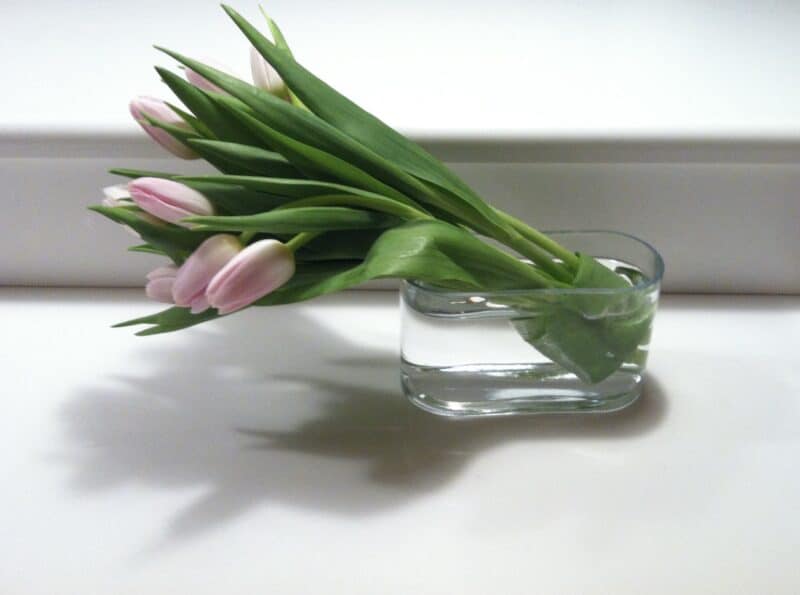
x,y
295,414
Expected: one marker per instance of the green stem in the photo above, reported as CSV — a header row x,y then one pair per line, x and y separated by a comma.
x,y
382,204
543,241
301,239
527,241
526,270
525,247
246,236
539,256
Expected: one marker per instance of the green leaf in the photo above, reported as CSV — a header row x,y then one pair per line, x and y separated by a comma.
x,y
373,203
180,134
147,249
317,163
177,242
277,34
298,220
592,349
199,102
303,126
171,319
428,251
248,160
186,137
590,334
288,187
235,200
191,120
339,245
591,274
360,125
141,173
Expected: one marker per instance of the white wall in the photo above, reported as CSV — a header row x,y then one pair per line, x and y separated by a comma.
x,y
442,67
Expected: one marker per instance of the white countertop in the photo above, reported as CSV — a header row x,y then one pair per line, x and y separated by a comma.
x,y
442,69
273,452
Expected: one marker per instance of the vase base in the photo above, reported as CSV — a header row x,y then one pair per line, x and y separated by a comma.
x,y
515,389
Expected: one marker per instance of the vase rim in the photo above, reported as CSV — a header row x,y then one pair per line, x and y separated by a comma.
x,y
649,283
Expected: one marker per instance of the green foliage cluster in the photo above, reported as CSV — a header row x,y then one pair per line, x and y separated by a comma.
x,y
370,204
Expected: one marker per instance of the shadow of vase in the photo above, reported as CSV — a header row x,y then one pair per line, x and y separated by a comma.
x,y
316,421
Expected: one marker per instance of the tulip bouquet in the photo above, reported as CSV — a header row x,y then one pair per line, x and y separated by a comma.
x,y
315,195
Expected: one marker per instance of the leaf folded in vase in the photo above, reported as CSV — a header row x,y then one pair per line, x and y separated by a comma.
x,y
593,334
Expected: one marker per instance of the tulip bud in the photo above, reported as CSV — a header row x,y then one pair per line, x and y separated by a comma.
x,y
265,76
158,110
168,200
116,196
205,262
203,83
257,270
160,283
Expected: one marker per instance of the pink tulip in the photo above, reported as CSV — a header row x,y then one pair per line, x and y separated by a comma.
x,y
200,268
257,270
158,110
168,200
203,83
265,76
160,283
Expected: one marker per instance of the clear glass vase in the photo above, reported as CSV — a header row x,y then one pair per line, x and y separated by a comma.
x,y
534,351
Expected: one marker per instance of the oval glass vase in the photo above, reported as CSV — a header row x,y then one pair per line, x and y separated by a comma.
x,y
534,351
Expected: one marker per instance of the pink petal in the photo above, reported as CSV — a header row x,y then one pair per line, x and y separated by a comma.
x,y
162,272
160,289
201,82
206,261
199,304
255,272
169,200
162,210
265,76
156,108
